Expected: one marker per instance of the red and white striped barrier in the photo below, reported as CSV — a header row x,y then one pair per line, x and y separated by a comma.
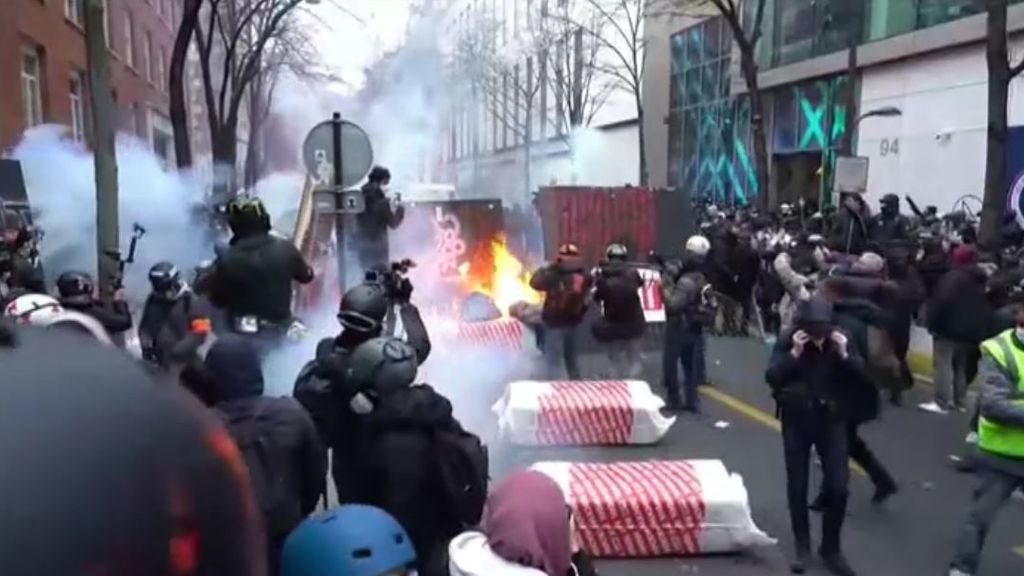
x,y
502,333
581,413
657,508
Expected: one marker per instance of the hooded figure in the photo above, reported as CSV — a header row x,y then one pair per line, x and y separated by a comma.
x,y
277,439
889,225
527,531
371,234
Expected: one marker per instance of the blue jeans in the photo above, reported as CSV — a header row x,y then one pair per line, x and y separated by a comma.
x,y
681,347
559,351
994,489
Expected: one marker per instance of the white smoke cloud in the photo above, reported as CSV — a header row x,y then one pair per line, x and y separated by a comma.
x,y
60,178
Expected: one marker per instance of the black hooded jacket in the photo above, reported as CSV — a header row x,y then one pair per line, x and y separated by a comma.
x,y
115,317
166,332
820,376
398,472
617,287
254,276
959,310
371,234
274,434
567,275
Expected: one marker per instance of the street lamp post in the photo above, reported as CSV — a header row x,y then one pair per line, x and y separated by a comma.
x,y
885,112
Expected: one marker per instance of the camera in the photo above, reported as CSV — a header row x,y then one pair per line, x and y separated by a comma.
x,y
392,278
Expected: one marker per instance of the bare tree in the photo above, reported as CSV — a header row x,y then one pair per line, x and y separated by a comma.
x,y
1000,73
232,37
176,84
616,26
746,38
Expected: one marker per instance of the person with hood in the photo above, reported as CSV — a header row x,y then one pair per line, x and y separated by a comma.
x,y
252,279
286,461
907,298
566,286
889,225
689,308
126,477
852,228
527,530
816,375
622,323
373,223
960,318
415,457
351,540
77,293
175,322
999,459
323,386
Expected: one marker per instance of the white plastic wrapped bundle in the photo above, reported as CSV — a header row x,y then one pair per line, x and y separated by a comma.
x,y
657,508
581,413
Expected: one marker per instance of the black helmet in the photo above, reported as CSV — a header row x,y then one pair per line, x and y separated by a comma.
x,y
247,215
382,366
137,478
363,308
890,200
616,252
165,278
75,287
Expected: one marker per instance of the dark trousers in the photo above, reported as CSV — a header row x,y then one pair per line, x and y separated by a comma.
x,y
805,426
681,347
862,455
994,488
560,350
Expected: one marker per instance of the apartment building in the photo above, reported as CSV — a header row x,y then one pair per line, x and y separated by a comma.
x,y
922,62
42,52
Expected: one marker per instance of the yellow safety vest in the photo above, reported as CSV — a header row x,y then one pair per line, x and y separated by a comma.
x,y
993,436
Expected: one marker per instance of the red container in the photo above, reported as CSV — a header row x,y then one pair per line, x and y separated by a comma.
x,y
593,218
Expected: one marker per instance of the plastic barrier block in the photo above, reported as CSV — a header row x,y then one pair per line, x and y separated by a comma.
x,y
581,413
657,508
506,332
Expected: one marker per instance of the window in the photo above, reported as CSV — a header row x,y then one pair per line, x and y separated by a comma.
x,y
73,11
31,87
129,40
161,69
76,99
147,56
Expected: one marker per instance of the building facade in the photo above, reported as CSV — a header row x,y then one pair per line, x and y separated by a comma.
x,y
42,52
529,104
925,58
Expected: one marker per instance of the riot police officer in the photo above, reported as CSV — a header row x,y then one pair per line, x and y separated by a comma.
x,y
175,322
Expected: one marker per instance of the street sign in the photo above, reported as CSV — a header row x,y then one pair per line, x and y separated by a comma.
x,y
318,154
326,201
851,175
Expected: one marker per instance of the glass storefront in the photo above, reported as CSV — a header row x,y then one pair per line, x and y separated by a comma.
x,y
796,30
709,129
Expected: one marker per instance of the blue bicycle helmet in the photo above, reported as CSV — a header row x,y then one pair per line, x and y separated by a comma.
x,y
351,540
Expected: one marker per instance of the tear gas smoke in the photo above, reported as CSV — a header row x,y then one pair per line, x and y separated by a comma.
x,y
60,178
281,193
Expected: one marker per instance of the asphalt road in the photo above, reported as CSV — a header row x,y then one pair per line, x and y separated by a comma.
x,y
912,535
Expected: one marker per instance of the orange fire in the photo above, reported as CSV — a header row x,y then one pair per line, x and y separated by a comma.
x,y
500,275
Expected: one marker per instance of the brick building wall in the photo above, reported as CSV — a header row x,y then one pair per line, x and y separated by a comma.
x,y
44,29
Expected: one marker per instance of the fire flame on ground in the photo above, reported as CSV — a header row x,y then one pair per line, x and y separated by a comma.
x,y
502,277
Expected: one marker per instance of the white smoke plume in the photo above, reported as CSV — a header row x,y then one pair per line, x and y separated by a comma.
x,y
60,178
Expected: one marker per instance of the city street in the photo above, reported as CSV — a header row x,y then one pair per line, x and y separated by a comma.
x,y
913,534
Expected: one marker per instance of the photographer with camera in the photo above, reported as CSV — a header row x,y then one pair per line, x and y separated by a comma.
x,y
324,387
380,215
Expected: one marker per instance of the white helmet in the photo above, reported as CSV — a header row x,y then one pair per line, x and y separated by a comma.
x,y
82,323
36,309
698,245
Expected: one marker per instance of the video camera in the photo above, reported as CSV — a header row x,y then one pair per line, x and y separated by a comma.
x,y
393,278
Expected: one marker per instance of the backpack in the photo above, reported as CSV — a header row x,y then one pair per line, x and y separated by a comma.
x,y
462,466
316,395
267,470
568,301
704,311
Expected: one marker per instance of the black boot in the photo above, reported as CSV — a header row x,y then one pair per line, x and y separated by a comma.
x,y
800,559
836,563
883,492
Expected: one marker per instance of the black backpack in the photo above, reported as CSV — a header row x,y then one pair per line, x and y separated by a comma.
x,y
704,309
317,397
462,466
267,470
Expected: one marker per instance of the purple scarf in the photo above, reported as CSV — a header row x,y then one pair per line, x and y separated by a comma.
x,y
527,522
